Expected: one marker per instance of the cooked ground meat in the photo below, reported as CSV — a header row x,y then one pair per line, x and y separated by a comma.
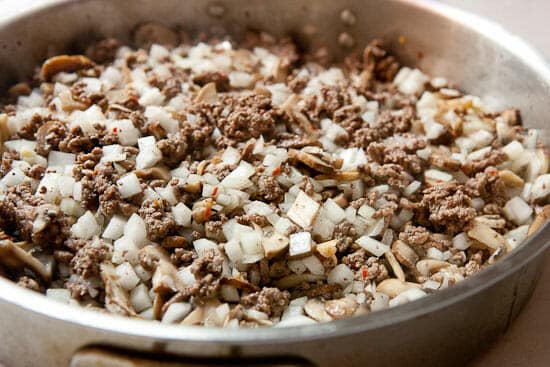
x,y
271,301
249,116
492,158
270,190
49,136
87,259
173,148
20,208
207,270
158,219
346,234
450,207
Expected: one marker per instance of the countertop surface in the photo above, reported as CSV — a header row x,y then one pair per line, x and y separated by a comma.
x,y
527,342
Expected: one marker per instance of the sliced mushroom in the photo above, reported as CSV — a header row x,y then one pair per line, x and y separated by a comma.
x,y
195,317
397,270
427,267
208,94
275,245
392,287
327,249
492,220
540,219
240,284
340,308
293,280
117,299
510,178
342,176
158,304
160,173
486,235
14,257
404,254
291,109
150,33
315,308
315,158
165,279
19,89
4,131
64,63
193,187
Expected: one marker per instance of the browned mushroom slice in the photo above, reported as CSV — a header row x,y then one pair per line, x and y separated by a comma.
x,y
160,173
342,176
14,257
340,308
315,158
315,308
540,219
510,178
404,254
240,284
4,131
64,63
297,117
117,299
208,94
149,33
20,89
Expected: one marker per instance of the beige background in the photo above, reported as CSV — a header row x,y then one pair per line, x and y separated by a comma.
x,y
527,343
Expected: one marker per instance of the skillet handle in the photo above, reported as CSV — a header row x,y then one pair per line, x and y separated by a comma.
x,y
99,357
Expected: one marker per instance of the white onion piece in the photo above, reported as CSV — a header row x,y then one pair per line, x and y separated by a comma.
x,y
125,250
182,215
135,230
541,187
127,277
314,265
516,236
86,226
461,241
140,299
340,274
300,243
203,245
149,154
176,312
517,210
239,178
373,246
128,185
61,159
115,228
303,210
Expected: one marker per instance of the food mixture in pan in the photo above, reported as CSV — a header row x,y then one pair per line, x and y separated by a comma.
x,y
250,184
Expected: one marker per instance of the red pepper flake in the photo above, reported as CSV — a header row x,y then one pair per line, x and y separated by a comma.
x,y
493,172
215,191
364,272
207,212
115,130
277,171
